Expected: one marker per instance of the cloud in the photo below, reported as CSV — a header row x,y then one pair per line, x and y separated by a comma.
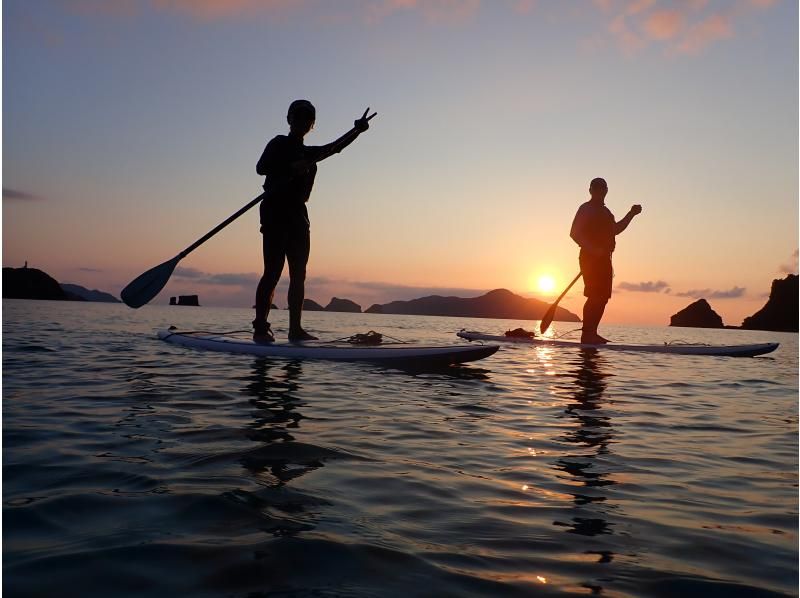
x,y
182,272
225,279
685,27
664,24
791,266
17,194
645,287
680,26
700,35
733,293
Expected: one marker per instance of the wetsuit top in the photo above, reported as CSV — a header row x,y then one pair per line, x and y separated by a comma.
x,y
594,226
286,190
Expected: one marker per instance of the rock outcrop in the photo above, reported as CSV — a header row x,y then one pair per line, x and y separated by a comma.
x,y
190,300
311,305
780,313
500,303
697,315
344,305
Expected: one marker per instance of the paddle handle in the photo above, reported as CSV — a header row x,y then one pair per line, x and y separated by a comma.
x,y
218,228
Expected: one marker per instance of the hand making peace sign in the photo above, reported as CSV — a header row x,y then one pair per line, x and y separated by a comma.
x,y
362,124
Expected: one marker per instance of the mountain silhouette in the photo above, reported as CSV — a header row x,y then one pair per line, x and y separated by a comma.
x,y
500,303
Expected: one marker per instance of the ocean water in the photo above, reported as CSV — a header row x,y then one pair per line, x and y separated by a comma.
x,y
132,467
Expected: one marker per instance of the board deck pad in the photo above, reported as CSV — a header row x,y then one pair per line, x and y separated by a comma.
x,y
339,351
671,348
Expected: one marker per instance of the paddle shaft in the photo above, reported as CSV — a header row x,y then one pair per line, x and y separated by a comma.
x,y
561,296
551,311
218,228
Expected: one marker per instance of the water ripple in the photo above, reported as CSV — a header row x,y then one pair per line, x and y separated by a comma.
x,y
132,467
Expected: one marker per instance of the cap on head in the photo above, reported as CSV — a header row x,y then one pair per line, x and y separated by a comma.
x,y
598,182
301,107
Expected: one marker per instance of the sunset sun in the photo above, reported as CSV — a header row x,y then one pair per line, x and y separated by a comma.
x,y
546,284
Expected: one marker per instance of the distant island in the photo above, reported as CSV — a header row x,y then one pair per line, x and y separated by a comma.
x,y
334,305
500,303
311,305
779,314
343,305
31,283
697,315
190,300
87,295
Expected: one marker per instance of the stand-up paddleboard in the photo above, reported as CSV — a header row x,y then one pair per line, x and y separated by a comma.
x,y
675,349
400,353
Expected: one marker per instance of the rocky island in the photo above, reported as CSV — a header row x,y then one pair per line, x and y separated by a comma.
x,y
697,315
780,313
343,305
500,303
191,300
311,305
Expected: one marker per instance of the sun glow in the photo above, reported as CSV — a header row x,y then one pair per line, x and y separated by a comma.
x,y
546,284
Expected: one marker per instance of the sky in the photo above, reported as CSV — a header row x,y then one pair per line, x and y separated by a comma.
x,y
132,127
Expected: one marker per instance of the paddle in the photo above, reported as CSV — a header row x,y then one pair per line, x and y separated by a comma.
x,y
551,311
146,286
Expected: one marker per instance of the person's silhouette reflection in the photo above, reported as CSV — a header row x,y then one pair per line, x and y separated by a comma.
x,y
592,434
273,387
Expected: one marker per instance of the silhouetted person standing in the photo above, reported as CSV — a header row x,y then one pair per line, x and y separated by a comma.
x,y
290,168
594,229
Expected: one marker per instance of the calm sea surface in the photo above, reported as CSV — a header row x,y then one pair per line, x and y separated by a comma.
x,y
132,467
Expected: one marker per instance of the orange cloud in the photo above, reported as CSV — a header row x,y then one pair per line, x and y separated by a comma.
x,y
664,24
686,27
700,35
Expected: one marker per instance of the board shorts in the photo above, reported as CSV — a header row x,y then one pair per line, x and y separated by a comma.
x,y
286,235
597,275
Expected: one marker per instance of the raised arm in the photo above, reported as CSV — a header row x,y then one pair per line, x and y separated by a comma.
x,y
623,224
359,126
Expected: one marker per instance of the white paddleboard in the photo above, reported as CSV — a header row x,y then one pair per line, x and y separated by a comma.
x,y
676,349
400,353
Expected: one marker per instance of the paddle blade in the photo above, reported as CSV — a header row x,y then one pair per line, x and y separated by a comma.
x,y
548,318
146,286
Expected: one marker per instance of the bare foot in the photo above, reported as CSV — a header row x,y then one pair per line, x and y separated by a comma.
x,y
593,339
262,333
300,336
